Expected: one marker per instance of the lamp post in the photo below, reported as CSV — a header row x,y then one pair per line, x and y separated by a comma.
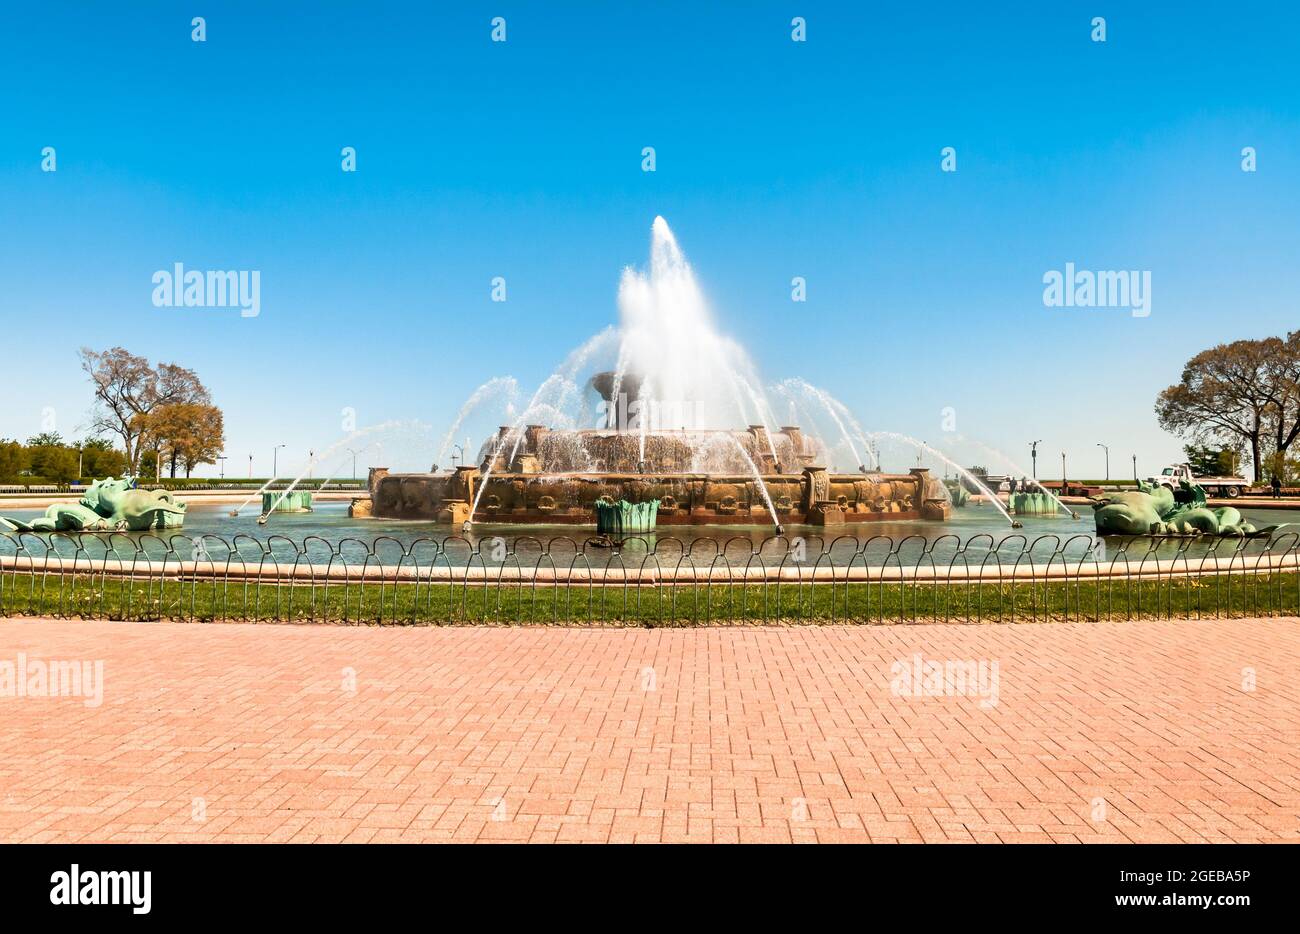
x,y
354,462
275,461
1107,450
460,456
1033,454
222,459
1135,468
250,466
1064,486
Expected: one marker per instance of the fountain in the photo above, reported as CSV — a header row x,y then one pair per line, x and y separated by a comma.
x,y
297,501
681,419
1027,506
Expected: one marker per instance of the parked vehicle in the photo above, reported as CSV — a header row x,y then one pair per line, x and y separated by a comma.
x,y
1170,476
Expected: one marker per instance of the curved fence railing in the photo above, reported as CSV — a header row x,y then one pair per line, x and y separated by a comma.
x,y
652,580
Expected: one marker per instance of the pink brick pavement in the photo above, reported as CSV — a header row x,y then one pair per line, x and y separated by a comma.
x,y
749,734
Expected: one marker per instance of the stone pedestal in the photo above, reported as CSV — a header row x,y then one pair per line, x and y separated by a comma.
x,y
826,514
763,458
937,509
360,509
465,483
927,487
456,513
816,488
533,436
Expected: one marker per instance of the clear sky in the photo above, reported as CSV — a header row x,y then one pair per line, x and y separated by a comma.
x,y
522,159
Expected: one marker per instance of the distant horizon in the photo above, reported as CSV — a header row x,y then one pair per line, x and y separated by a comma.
x,y
1004,230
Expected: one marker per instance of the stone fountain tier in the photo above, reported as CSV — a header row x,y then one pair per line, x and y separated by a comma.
x,y
622,449
813,496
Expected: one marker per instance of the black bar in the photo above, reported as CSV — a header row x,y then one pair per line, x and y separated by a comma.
x,y
993,883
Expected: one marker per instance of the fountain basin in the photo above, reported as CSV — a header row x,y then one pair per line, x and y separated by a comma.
x,y
813,496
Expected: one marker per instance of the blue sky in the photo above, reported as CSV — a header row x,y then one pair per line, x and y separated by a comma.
x,y
774,159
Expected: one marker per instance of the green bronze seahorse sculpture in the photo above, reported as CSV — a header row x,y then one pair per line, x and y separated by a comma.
x,y
108,505
1153,510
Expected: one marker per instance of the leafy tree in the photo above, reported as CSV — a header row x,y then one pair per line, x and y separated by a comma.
x,y
206,438
100,459
14,459
184,434
1287,469
56,462
1208,461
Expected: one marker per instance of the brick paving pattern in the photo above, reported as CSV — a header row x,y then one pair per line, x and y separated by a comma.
x,y
1144,731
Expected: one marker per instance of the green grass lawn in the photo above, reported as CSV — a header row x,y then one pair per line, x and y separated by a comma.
x,y
93,596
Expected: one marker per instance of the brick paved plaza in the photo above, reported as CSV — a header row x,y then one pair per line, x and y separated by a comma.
x,y
1146,731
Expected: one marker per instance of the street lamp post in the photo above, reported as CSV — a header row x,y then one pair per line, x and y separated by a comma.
x,y
354,462
1135,468
1033,454
275,461
1064,485
1107,450
222,459
250,466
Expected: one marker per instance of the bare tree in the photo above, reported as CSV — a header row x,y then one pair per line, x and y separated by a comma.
x,y
128,390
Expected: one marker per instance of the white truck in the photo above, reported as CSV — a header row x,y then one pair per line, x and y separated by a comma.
x,y
1231,487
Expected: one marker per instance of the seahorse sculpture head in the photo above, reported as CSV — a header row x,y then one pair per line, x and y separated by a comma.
x,y
103,495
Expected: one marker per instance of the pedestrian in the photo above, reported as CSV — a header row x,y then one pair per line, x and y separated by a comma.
x,y
1277,487
1012,485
